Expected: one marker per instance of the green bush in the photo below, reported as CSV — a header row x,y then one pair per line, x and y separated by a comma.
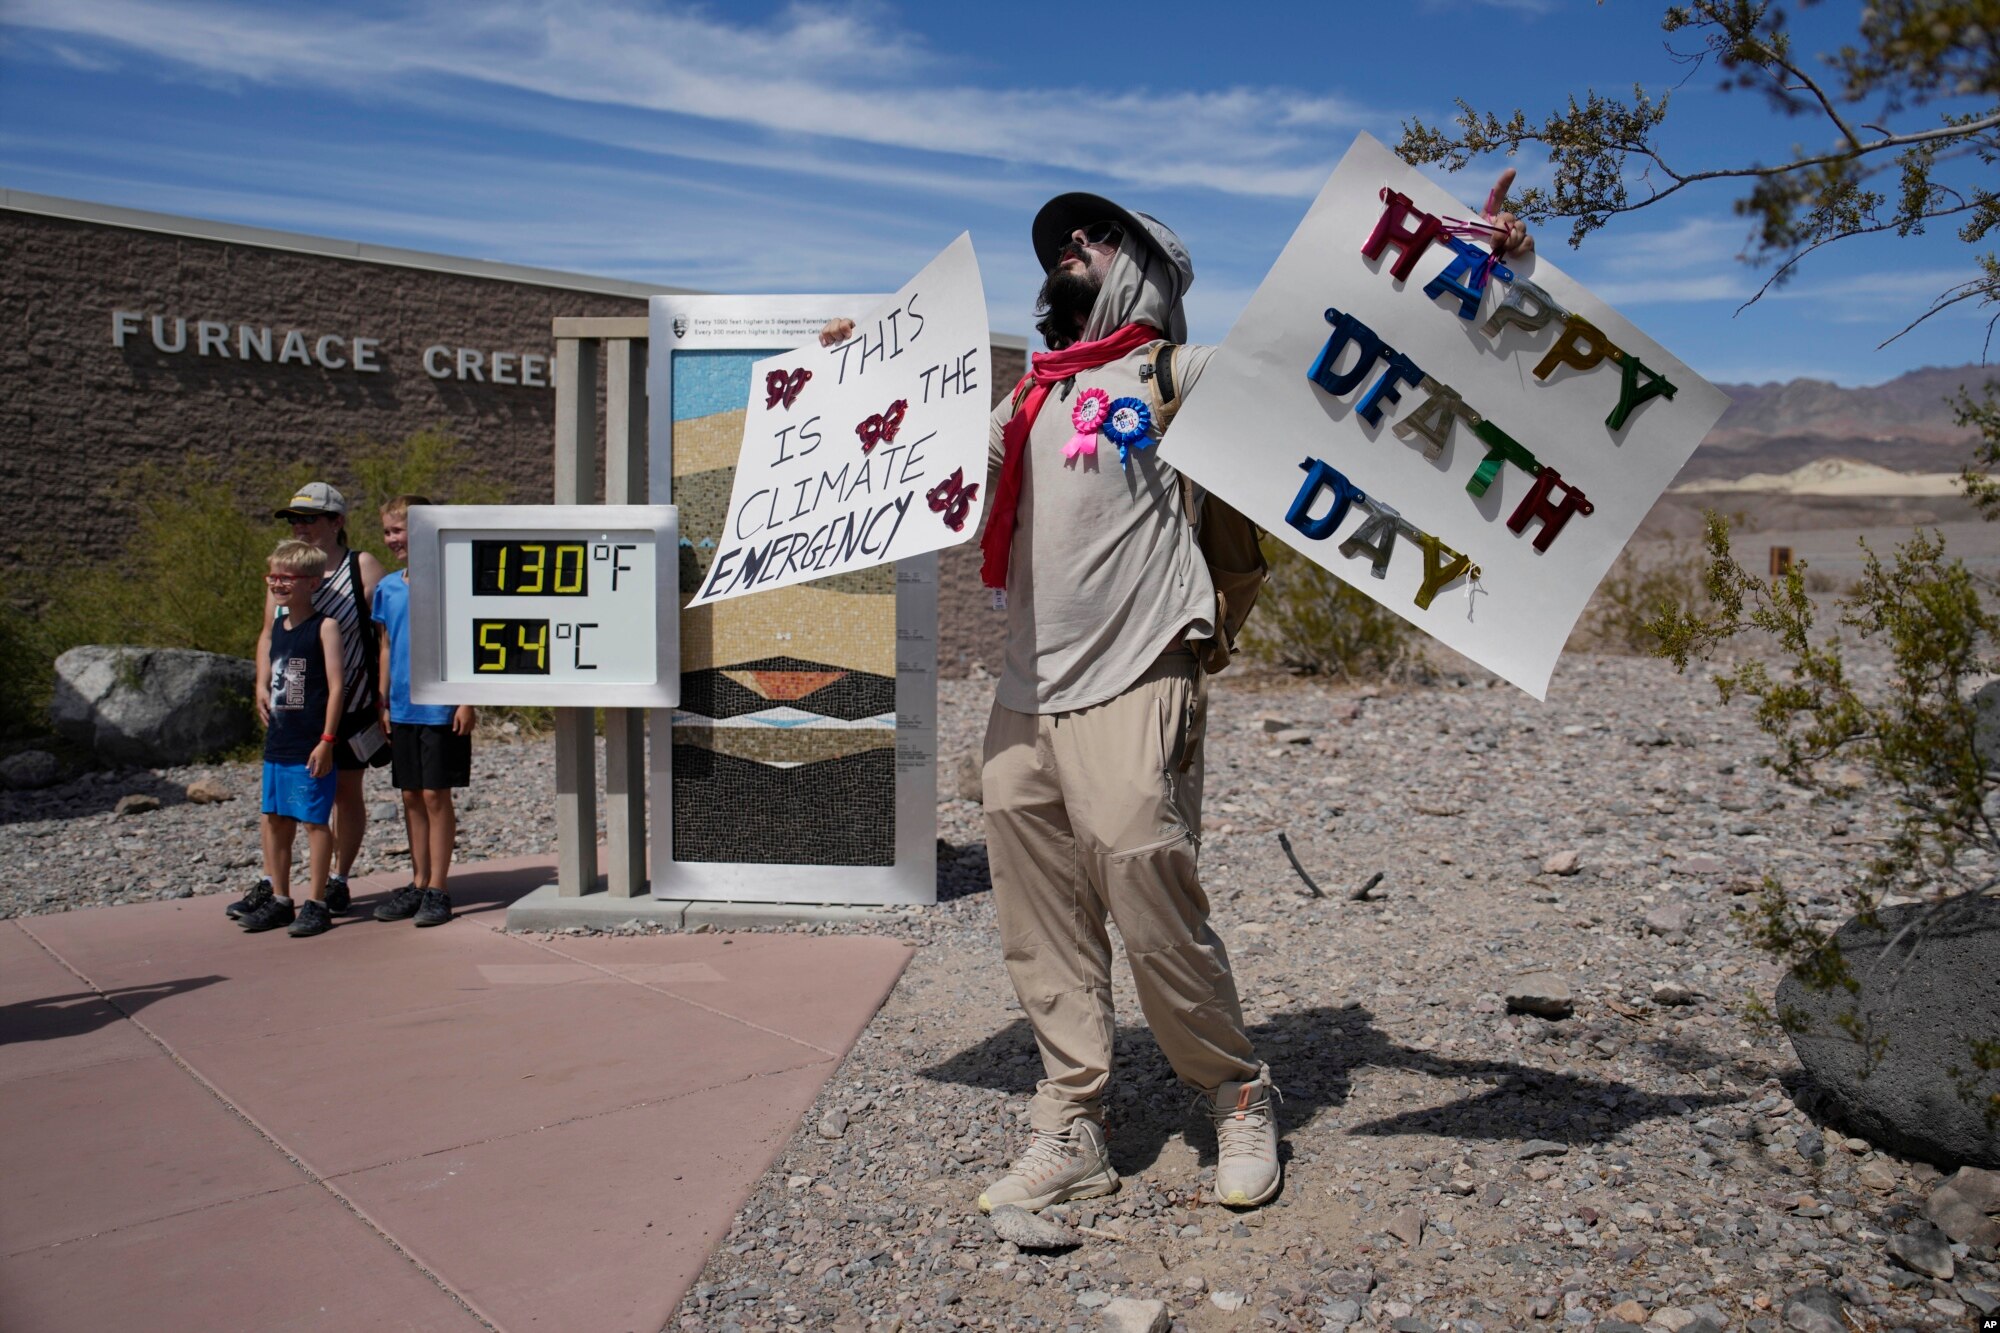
x,y
191,576
1309,621
1634,594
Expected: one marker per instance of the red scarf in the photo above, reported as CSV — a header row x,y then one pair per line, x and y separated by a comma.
x,y
1049,369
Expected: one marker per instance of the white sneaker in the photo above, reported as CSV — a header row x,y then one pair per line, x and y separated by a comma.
x,y
1246,1142
1059,1165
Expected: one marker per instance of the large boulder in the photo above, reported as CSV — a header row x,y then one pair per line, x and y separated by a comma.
x,y
152,707
1924,1001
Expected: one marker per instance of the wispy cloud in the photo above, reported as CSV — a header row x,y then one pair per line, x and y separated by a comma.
x,y
813,74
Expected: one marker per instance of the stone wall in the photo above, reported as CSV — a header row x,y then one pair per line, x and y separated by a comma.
x,y
82,414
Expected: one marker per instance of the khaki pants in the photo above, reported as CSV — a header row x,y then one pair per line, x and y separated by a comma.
x,y
1098,811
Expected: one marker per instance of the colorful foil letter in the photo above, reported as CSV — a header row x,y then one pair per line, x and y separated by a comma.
x,y
1500,448
1536,504
1320,477
1525,304
1631,392
1375,538
1432,418
1581,344
1465,276
1393,228
1441,566
1399,367
1346,328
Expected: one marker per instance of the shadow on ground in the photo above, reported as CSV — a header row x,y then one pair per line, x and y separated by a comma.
x,y
54,1017
1314,1053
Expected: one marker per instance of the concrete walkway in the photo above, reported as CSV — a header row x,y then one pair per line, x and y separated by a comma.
x,y
386,1127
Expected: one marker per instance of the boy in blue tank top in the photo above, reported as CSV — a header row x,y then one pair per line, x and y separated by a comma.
x,y
301,669
430,745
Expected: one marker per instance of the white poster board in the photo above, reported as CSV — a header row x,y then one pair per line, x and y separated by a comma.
x,y
1404,438
866,452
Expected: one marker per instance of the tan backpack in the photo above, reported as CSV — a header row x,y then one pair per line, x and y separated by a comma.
x,y
1228,541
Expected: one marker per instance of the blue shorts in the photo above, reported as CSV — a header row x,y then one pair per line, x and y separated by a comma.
x,y
293,793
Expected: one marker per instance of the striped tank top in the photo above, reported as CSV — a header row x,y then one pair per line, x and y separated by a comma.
x,y
339,599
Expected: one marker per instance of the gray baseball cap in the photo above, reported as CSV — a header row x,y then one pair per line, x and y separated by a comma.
x,y
1067,212
315,497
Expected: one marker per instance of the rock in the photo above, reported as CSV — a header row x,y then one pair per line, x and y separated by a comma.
x,y
1091,1300
1703,1324
1543,1308
1229,1302
1697,865
1922,1249
1930,999
1540,1148
1814,1310
153,707
1673,993
381,812
1673,1318
1562,863
971,777
1273,723
1967,1207
1630,1311
1670,919
1543,993
1877,1175
1031,1231
1126,1315
135,803
209,791
26,770
833,1124
1340,1314
1293,736
1407,1225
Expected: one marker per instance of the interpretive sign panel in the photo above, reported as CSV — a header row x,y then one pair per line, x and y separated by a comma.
x,y
569,606
1469,442
800,765
867,451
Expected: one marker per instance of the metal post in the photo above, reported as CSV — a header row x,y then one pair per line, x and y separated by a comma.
x,y
576,751
625,728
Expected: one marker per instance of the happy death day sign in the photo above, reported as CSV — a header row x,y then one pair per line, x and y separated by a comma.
x,y
867,451
1469,442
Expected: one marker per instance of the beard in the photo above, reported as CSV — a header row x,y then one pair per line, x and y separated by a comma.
x,y
1063,304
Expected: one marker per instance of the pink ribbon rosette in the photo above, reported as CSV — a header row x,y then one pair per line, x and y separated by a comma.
x,y
1088,416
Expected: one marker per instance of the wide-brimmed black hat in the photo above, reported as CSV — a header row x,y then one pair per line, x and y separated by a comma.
x,y
1066,213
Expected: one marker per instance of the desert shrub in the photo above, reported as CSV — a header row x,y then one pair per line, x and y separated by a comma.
x,y
1634,594
432,462
1309,621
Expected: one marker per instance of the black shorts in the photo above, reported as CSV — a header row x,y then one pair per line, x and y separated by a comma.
x,y
353,724
429,757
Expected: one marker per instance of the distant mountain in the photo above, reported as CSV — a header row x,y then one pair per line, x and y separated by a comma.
x,y
1905,424
1911,406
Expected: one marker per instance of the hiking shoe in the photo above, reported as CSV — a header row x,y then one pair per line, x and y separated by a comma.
x,y
260,894
435,909
338,897
1058,1165
273,913
314,919
1246,1141
400,905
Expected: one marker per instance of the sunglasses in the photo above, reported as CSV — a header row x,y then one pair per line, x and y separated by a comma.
x,y
287,580
1103,233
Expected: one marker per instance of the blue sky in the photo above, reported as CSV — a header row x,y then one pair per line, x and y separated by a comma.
x,y
758,147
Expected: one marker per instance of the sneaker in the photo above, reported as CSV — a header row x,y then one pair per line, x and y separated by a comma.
x,y
1246,1141
273,913
436,908
1058,1165
400,905
338,896
260,894
314,919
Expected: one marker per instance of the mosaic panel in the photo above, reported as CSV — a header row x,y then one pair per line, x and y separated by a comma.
x,y
784,746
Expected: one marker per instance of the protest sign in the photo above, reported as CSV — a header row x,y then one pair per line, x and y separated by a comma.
x,y
868,451
1470,443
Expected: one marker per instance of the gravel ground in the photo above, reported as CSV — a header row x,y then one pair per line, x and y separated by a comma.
x,y
1449,1163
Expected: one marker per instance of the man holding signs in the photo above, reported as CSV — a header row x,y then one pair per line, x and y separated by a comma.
x,y
1093,755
